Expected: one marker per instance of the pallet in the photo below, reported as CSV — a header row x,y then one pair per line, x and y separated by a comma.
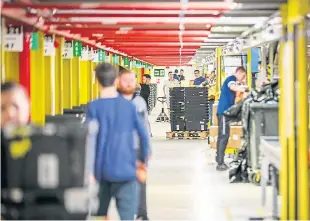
x,y
189,135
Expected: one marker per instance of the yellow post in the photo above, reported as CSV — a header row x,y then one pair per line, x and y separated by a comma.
x,y
83,92
76,72
59,93
218,55
2,64
49,84
67,83
249,69
37,83
11,64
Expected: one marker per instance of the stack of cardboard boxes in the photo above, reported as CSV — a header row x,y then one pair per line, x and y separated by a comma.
x,y
235,133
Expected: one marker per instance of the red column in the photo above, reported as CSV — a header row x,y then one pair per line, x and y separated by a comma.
x,y
142,72
24,64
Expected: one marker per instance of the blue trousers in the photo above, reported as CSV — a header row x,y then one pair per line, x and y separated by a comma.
x,y
126,197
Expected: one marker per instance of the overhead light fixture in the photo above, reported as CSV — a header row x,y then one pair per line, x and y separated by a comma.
x,y
216,13
208,26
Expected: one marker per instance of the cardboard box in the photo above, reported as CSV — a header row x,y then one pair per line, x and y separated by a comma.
x,y
235,137
215,120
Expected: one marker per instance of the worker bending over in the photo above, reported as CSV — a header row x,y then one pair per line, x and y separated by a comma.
x,y
115,156
227,99
127,83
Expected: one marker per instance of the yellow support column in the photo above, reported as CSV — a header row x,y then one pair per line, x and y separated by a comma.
x,y
284,176
94,82
2,64
37,83
58,90
83,92
67,83
49,84
218,55
76,72
11,64
249,69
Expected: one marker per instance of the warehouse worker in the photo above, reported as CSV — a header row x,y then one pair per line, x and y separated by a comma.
x,y
176,75
170,83
181,76
227,99
115,158
127,88
145,89
210,83
15,110
198,78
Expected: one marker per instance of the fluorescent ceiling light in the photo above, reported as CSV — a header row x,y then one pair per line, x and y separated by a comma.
x,y
228,29
209,40
240,20
195,20
222,35
138,12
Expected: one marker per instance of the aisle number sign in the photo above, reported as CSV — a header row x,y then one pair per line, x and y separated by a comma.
x,y
34,41
85,55
107,58
101,57
159,73
14,39
77,48
49,49
67,50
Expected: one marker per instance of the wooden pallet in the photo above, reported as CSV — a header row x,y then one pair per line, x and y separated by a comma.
x,y
189,135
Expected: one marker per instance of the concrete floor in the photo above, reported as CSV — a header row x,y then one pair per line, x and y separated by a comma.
x,y
184,185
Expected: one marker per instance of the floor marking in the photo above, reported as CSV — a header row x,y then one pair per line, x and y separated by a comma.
x,y
228,214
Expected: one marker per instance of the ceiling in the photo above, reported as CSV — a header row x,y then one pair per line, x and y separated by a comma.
x,y
164,33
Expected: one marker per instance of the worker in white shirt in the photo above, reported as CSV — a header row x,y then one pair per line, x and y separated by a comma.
x,y
170,83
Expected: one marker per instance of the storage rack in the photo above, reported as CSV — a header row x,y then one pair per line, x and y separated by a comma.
x,y
189,112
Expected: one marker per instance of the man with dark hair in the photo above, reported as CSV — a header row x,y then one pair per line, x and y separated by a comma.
x,y
115,157
181,76
198,78
227,99
145,88
176,75
126,86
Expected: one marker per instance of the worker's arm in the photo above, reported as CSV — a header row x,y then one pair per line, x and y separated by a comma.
x,y
234,87
144,136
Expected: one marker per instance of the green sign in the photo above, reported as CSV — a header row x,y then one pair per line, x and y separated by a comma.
x,y
77,48
126,62
34,41
159,72
101,55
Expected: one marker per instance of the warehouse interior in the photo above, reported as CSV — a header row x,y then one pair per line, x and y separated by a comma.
x,y
51,48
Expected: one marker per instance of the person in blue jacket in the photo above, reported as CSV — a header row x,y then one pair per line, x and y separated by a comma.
x,y
115,155
198,78
227,99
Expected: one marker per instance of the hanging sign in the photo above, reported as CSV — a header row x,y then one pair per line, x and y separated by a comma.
x,y
107,58
95,56
77,48
85,55
126,62
90,54
14,39
101,57
159,73
49,49
34,41
67,50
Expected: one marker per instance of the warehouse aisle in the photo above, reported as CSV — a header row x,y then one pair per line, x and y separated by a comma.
x,y
184,185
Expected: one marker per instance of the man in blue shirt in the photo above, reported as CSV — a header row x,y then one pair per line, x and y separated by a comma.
x,y
198,78
115,154
227,99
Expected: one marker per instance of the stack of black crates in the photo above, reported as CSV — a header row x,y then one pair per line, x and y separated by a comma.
x,y
46,173
189,109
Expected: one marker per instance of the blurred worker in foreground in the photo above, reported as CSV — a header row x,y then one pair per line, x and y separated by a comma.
x,y
145,88
15,110
210,83
115,166
198,78
127,83
227,99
